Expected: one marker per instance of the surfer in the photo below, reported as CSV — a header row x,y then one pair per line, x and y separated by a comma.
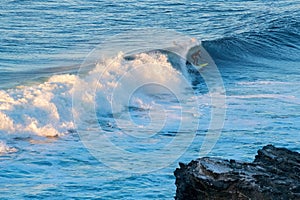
x,y
195,57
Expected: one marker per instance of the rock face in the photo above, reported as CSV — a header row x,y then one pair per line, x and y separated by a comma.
x,y
274,174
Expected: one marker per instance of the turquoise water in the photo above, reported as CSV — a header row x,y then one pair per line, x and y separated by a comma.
x,y
43,153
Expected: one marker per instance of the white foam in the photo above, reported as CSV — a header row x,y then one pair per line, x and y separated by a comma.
x,y
119,78
258,83
4,148
6,123
46,109
264,96
43,109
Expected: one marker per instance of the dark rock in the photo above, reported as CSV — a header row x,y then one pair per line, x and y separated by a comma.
x,y
274,174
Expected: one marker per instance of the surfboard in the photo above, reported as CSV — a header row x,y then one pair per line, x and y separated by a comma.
x,y
202,65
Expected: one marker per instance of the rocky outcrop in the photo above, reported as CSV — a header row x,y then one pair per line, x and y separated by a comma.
x,y
274,174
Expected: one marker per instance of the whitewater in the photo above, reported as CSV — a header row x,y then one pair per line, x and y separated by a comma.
x,y
96,104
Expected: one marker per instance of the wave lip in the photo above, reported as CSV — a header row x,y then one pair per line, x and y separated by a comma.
x,y
278,40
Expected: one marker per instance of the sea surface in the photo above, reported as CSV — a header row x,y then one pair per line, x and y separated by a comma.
x,y
76,123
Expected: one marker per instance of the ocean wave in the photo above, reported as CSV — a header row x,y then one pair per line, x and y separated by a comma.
x,y
45,109
279,40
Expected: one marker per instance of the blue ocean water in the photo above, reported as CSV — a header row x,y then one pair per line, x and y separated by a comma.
x,y
254,44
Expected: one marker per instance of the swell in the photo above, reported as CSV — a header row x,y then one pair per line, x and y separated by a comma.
x,y
280,40
11,79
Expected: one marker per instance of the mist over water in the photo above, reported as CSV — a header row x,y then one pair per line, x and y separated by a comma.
x,y
255,45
